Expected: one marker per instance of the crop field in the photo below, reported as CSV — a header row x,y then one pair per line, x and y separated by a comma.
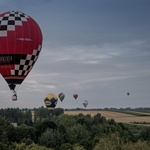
x,y
123,117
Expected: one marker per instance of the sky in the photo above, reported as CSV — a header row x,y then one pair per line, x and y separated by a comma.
x,y
99,49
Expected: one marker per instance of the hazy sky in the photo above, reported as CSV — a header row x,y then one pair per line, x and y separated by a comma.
x,y
99,49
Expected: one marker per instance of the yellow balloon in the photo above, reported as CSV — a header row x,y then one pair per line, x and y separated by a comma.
x,y
51,101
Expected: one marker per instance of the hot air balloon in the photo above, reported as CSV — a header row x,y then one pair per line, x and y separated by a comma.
x,y
85,103
61,96
128,93
51,101
75,96
20,45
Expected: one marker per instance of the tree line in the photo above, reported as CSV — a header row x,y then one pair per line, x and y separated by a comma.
x,y
59,131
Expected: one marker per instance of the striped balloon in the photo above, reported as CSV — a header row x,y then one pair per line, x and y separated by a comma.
x,y
61,96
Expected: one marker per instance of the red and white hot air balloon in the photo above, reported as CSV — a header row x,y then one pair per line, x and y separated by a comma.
x,y
20,45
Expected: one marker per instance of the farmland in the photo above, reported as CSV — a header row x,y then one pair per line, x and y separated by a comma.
x,y
118,116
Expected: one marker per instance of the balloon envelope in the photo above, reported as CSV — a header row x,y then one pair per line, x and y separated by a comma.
x,y
75,96
85,103
20,45
61,96
51,101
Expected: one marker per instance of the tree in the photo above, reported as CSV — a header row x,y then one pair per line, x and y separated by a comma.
x,y
3,134
41,113
58,111
76,133
145,134
21,146
97,130
52,138
67,120
139,145
78,147
66,146
32,146
99,119
41,127
24,132
111,142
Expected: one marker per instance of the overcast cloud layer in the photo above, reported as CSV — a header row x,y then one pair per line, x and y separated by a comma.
x,y
99,49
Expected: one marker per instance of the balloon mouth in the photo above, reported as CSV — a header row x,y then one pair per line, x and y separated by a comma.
x,y
12,86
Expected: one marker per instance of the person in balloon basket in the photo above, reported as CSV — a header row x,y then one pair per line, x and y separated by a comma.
x,y
14,97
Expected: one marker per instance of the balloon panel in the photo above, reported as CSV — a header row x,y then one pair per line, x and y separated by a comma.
x,y
20,45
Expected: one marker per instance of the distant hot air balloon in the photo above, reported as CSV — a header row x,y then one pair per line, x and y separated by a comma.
x,y
20,45
61,96
51,101
75,96
85,103
128,93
